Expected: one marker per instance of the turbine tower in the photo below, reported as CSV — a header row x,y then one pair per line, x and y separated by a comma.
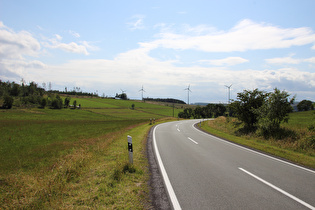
x,y
188,90
229,87
142,90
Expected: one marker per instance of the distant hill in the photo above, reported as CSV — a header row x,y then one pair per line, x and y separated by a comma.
x,y
200,104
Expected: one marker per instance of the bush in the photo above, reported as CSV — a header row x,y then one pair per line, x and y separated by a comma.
x,y
274,111
75,104
8,102
245,107
56,103
43,103
67,102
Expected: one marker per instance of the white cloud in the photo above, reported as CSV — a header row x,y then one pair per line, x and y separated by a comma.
x,y
89,46
246,35
283,60
2,25
289,60
310,60
136,22
230,61
58,37
136,67
17,44
16,69
75,34
72,47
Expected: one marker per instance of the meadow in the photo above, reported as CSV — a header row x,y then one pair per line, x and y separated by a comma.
x,y
72,158
297,144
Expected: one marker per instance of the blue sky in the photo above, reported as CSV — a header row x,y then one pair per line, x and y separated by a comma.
x,y
164,46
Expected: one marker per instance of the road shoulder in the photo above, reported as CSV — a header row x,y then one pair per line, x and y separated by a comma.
x,y
158,194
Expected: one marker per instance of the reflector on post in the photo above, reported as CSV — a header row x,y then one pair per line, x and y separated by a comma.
x,y
130,149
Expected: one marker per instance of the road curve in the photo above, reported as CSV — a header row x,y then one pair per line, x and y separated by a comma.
x,y
201,171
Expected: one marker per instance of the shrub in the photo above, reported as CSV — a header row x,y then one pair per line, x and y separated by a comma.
x,y
75,104
56,103
43,103
246,105
67,102
274,110
8,102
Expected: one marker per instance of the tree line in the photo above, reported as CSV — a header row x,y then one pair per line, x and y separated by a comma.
x,y
209,111
166,100
73,92
30,94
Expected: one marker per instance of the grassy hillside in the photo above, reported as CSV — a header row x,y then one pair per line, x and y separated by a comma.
x,y
46,153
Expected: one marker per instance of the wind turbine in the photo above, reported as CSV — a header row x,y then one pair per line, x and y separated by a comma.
x,y
122,91
188,90
229,87
142,90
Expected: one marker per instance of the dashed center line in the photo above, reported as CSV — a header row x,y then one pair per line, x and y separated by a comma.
x,y
192,140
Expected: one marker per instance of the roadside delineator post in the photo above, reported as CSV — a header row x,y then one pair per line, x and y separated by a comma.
x,y
130,149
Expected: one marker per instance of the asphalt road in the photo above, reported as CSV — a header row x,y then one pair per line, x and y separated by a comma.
x,y
201,171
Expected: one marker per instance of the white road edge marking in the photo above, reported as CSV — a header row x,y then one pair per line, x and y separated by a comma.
x,y
178,130
280,190
253,151
167,182
192,140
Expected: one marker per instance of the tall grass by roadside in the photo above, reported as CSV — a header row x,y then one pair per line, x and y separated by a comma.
x,y
297,143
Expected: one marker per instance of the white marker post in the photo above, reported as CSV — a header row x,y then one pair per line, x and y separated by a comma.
x,y
130,149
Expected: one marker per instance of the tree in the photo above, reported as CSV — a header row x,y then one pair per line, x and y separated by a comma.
x,y
305,105
274,110
198,113
8,102
245,107
122,96
15,89
219,110
67,102
186,114
43,103
57,103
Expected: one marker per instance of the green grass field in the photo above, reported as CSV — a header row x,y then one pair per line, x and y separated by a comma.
x,y
301,120
48,154
298,146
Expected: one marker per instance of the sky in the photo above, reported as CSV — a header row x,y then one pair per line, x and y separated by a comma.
x,y
108,46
